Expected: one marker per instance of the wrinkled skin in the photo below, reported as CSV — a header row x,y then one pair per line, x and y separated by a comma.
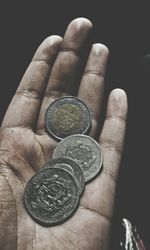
x,y
25,145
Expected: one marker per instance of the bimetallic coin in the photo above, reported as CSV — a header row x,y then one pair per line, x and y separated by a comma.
x,y
72,167
84,150
51,196
66,116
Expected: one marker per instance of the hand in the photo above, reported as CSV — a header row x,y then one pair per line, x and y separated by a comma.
x,y
25,145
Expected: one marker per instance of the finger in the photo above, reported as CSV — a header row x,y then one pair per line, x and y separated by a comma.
x,y
91,89
67,65
25,105
112,136
100,194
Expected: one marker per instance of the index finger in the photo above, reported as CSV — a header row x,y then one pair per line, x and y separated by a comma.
x,y
25,105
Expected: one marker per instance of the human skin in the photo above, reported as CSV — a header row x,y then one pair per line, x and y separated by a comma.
x,y
25,146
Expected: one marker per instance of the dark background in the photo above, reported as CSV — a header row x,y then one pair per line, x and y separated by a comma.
x,y
124,26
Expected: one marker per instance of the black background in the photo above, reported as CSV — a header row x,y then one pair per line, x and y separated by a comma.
x,y
123,26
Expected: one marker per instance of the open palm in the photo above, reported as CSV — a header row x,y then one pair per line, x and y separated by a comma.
x,y
25,146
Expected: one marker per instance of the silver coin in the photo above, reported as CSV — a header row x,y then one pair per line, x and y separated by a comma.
x,y
72,167
84,150
51,196
67,115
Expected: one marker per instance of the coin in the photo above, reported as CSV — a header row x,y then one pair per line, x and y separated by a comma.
x,y
72,167
67,115
84,150
51,196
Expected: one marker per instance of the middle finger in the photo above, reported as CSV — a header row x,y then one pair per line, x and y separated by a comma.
x,y
67,65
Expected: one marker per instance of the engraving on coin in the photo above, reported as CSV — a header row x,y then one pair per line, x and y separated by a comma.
x,y
84,150
51,196
66,116
72,167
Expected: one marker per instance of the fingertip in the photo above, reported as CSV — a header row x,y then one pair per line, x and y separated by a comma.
x,y
48,47
53,39
118,103
49,42
81,22
77,34
118,91
100,49
118,95
98,59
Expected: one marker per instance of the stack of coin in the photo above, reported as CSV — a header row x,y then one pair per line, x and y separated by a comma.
x,y
52,195
83,150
